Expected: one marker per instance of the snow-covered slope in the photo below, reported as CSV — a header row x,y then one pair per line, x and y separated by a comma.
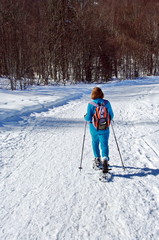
x,y
44,196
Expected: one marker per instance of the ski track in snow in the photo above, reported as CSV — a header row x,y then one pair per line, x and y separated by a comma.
x,y
44,196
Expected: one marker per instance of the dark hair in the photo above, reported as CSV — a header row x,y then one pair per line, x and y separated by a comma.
x,y
97,93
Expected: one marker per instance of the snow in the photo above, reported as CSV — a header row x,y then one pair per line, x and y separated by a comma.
x,y
44,195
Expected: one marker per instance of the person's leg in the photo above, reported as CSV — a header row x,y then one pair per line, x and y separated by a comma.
x,y
95,142
95,146
103,138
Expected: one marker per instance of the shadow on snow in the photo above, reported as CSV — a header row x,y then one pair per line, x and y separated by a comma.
x,y
43,123
140,172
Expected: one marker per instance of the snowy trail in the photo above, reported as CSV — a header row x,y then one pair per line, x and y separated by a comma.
x,y
44,196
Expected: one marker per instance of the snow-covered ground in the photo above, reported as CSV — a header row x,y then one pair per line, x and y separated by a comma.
x,y
44,195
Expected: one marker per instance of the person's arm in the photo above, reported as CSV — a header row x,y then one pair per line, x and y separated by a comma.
x,y
110,111
89,114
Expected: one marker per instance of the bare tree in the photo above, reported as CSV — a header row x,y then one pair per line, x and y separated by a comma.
x,y
78,40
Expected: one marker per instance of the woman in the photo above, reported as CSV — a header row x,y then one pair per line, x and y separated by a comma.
x,y
99,137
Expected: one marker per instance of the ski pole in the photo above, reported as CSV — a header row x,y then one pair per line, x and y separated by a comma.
x,y
80,167
118,147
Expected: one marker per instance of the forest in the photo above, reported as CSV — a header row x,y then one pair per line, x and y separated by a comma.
x,y
53,41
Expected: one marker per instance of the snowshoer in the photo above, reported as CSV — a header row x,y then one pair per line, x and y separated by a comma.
x,y
99,137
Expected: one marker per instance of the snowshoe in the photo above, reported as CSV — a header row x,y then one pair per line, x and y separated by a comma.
x,y
105,177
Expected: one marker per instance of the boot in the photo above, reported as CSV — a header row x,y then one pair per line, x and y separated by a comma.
x,y
97,163
105,165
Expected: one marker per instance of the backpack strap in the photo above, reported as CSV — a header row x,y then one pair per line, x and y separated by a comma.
x,y
94,104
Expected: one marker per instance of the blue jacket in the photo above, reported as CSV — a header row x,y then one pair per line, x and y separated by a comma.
x,y
91,110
